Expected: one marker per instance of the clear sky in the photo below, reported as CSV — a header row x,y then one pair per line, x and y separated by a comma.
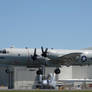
x,y
60,24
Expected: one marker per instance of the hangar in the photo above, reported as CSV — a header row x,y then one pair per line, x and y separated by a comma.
x,y
25,78
20,77
76,72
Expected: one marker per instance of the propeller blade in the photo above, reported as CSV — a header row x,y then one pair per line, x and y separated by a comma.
x,y
44,53
46,50
42,49
35,51
34,56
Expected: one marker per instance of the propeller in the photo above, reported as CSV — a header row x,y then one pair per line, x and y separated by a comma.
x,y
44,53
34,56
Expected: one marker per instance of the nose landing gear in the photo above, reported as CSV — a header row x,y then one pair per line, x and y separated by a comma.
x,y
39,72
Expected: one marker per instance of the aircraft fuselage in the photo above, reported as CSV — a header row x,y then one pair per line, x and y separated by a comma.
x,y
23,57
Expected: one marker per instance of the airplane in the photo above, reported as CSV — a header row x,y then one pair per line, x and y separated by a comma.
x,y
38,58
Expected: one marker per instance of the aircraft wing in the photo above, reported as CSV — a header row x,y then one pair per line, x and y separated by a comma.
x,y
66,59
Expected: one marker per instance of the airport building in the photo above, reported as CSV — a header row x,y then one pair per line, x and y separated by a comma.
x,y
24,78
76,72
76,77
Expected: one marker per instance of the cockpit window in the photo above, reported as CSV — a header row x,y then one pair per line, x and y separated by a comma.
x,y
3,51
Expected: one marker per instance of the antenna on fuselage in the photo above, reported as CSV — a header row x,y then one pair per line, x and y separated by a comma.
x,y
12,46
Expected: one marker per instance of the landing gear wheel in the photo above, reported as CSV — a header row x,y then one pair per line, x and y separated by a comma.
x,y
57,71
7,71
39,72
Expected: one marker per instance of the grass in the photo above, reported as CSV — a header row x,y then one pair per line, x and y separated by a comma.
x,y
42,91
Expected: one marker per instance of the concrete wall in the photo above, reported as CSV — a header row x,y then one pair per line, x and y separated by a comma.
x,y
3,77
66,73
25,79
76,72
89,72
80,72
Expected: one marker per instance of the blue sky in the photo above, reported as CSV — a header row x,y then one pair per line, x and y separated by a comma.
x,y
60,24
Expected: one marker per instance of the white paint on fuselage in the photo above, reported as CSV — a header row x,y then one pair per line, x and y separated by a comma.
x,y
22,56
